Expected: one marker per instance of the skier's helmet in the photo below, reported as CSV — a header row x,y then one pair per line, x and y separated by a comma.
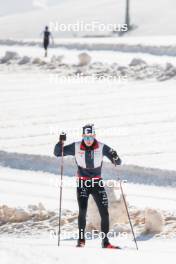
x,y
89,130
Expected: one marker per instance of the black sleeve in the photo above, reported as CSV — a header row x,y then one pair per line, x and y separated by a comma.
x,y
68,150
107,152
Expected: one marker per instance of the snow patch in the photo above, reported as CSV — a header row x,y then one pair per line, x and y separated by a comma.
x,y
9,56
117,211
136,62
24,60
154,221
84,59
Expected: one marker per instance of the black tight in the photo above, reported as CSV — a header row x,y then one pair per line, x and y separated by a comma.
x,y
99,194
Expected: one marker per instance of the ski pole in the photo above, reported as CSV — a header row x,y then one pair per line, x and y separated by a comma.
x,y
127,211
126,207
62,139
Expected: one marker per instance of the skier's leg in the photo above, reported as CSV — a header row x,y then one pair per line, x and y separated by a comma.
x,y
82,197
45,45
101,199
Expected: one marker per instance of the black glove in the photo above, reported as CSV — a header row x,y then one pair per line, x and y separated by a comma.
x,y
62,137
115,157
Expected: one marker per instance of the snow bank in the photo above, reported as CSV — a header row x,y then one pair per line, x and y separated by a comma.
x,y
36,219
155,46
136,70
154,221
117,211
134,174
84,59
9,57
23,213
17,215
33,220
147,221
24,60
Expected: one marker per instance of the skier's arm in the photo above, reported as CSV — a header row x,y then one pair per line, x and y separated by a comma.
x,y
68,150
111,155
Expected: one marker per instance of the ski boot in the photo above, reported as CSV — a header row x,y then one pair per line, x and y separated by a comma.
x,y
80,243
109,245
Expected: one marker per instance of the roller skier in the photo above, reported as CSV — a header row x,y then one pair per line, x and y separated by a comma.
x,y
88,155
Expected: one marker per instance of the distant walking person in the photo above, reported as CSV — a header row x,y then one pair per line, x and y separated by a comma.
x,y
46,39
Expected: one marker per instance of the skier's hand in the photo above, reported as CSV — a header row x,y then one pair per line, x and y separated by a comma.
x,y
115,157
62,137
